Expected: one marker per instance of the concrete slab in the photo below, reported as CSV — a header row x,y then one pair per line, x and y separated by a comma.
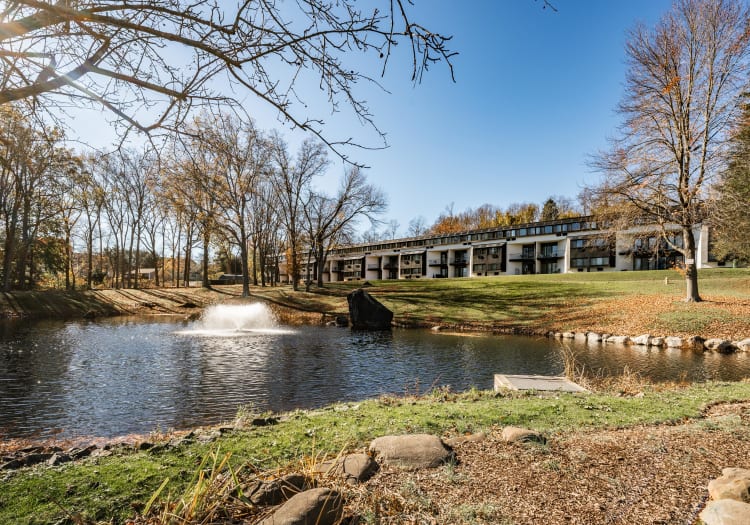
x,y
527,382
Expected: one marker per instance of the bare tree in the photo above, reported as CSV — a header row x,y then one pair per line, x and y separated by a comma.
x,y
417,227
330,218
150,62
291,181
680,100
242,157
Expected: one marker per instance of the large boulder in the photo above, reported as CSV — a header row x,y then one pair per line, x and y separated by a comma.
x,y
366,313
321,506
725,512
719,345
734,483
411,451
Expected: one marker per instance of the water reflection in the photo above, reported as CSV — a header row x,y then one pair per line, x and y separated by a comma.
x,y
121,375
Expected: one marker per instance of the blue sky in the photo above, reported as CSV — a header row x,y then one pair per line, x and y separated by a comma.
x,y
534,97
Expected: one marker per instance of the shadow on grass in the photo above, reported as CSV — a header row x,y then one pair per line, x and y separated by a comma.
x,y
56,304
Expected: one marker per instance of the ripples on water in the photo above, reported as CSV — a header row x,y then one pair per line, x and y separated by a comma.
x,y
125,375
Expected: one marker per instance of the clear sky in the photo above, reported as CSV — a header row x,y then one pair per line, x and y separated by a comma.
x,y
535,95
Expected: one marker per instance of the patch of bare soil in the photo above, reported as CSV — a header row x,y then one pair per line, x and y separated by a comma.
x,y
644,475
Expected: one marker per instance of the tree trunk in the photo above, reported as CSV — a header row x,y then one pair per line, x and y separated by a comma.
x,y
245,265
89,258
206,240
691,267
321,263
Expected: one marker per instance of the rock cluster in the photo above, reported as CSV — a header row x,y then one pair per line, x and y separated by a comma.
x,y
723,346
311,504
730,499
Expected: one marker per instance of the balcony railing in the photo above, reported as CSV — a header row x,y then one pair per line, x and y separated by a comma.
x,y
460,261
373,267
521,256
551,254
437,262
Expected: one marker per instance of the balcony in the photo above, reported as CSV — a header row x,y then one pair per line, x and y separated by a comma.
x,y
460,261
373,267
551,254
437,262
526,255
390,266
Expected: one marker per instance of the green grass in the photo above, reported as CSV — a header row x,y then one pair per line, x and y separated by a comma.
x,y
526,300
110,488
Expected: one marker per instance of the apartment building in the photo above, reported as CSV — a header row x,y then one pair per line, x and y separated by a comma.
x,y
566,245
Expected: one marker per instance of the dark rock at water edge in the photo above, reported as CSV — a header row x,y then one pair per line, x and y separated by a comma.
x,y
366,313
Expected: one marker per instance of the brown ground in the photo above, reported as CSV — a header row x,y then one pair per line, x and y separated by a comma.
x,y
641,475
633,315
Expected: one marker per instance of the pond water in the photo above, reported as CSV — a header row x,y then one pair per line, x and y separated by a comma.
x,y
119,376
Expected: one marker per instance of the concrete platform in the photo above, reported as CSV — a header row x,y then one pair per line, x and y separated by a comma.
x,y
526,382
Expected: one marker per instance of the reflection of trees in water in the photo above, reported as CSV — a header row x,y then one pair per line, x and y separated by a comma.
x,y
116,377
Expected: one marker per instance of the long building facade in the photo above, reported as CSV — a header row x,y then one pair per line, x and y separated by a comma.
x,y
566,245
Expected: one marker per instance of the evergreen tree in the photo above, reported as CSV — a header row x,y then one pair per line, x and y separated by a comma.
x,y
730,215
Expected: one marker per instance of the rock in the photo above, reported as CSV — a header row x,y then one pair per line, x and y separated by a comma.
x,y
522,435
58,459
725,512
469,438
568,335
673,342
411,451
657,341
79,453
321,506
13,464
719,345
557,335
437,328
367,313
744,345
580,337
275,491
696,343
342,321
354,468
593,337
618,339
734,483
264,421
643,340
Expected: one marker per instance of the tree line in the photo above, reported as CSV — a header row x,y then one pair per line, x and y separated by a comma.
x,y
222,186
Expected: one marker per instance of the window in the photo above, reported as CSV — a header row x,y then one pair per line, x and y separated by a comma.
x,y
599,261
578,243
578,262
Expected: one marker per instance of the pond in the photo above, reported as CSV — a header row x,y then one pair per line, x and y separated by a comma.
x,y
118,376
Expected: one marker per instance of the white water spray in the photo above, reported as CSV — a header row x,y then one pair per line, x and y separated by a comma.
x,y
230,320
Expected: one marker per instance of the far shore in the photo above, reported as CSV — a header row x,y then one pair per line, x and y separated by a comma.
x,y
626,303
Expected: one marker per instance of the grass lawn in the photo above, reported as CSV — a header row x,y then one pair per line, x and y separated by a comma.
x,y
627,303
